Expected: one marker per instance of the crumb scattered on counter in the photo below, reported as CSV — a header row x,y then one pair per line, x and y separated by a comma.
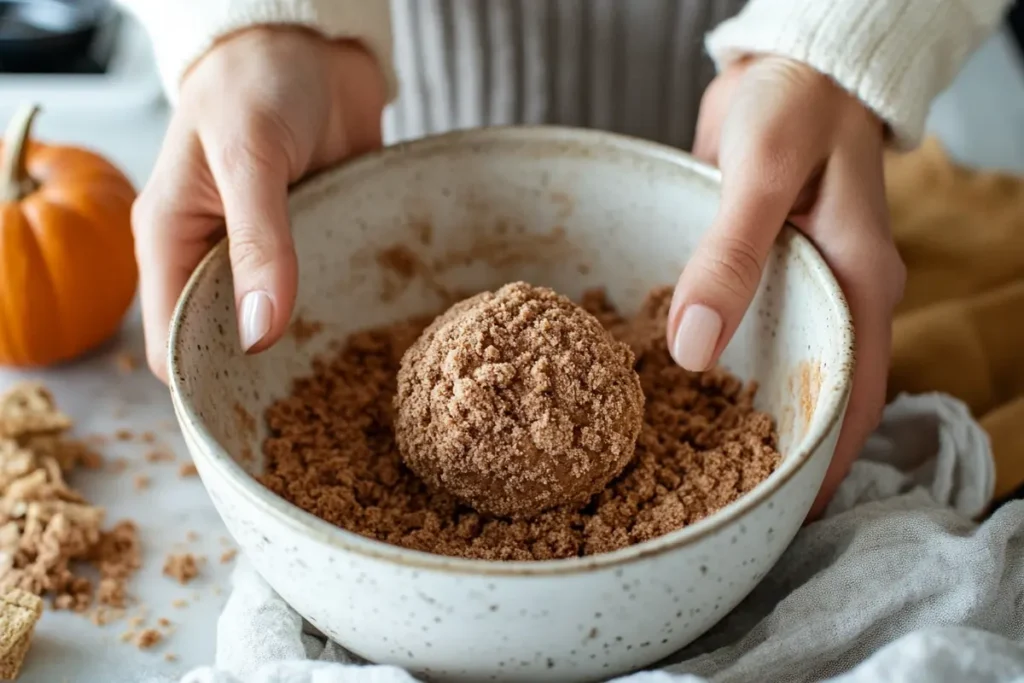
x,y
228,555
182,568
124,435
187,470
148,437
191,537
148,638
163,622
19,612
179,603
103,615
141,482
170,657
46,527
118,465
126,362
158,455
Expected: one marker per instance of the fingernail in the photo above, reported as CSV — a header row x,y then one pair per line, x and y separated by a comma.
x,y
697,337
255,318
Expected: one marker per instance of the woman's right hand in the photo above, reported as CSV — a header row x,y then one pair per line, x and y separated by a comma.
x,y
259,111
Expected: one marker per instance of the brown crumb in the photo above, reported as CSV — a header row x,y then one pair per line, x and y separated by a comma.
x,y
163,622
188,470
103,615
159,455
148,437
702,445
182,568
126,362
191,536
170,657
148,638
228,555
124,435
118,465
47,528
303,330
179,603
136,622
141,482
128,636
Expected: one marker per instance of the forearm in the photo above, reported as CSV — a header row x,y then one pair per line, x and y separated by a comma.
x,y
183,30
896,56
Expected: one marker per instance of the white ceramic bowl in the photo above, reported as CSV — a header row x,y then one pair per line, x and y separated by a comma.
x,y
565,208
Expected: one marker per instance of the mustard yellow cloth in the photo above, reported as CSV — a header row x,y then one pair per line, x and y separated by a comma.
x,y
960,328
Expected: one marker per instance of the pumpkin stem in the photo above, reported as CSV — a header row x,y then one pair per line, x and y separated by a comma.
x,y
15,181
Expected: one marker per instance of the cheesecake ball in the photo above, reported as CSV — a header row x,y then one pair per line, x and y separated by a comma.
x,y
517,401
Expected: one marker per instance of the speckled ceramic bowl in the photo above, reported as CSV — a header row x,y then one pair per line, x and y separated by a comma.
x,y
564,208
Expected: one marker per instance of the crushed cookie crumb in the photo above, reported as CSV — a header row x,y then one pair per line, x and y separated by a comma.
x,y
179,603
148,638
124,435
182,568
142,482
228,555
148,437
46,527
118,465
191,537
188,470
170,657
163,622
159,455
126,362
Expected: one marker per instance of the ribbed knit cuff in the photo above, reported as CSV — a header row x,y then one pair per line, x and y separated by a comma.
x,y
896,56
183,30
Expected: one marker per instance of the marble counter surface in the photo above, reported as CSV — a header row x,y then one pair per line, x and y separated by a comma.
x,y
981,119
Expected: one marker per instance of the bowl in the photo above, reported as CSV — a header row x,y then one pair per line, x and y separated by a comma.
x,y
565,208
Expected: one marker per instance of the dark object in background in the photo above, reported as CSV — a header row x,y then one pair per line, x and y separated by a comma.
x,y
54,36
1016,22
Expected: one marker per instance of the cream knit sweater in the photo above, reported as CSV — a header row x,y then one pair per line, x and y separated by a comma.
x,y
632,66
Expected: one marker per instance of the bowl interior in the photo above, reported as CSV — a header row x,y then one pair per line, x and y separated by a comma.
x,y
411,229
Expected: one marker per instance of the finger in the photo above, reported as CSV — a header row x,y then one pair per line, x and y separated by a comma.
x,y
251,173
857,247
165,248
721,278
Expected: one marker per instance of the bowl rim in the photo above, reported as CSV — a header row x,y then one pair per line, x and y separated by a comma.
x,y
311,526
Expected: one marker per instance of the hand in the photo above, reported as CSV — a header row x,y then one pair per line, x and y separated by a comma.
x,y
791,144
259,111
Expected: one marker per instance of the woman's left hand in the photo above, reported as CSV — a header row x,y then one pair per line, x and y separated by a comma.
x,y
792,145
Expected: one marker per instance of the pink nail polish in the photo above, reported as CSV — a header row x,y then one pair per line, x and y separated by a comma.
x,y
696,337
255,318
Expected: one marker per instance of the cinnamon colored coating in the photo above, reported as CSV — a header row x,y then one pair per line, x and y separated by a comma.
x,y
516,402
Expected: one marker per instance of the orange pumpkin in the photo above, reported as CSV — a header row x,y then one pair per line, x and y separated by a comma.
x,y
67,264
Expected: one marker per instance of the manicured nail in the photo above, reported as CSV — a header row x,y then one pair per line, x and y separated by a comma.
x,y
697,337
255,318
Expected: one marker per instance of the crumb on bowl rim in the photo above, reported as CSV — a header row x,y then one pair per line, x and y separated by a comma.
x,y
307,524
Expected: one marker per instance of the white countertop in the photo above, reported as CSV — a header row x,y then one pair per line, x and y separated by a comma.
x,y
981,120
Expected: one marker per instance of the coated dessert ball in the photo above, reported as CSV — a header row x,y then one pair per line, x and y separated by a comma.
x,y
517,401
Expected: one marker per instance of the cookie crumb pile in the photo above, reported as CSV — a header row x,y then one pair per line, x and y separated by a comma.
x,y
332,451
516,402
45,526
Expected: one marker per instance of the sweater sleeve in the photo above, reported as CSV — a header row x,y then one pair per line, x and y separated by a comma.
x,y
896,56
183,30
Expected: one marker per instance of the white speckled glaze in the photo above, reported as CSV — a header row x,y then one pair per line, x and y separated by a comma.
x,y
613,212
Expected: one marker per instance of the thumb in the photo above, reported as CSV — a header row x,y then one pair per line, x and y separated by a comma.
x,y
253,186
721,278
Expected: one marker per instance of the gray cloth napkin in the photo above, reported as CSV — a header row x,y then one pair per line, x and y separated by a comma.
x,y
897,583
